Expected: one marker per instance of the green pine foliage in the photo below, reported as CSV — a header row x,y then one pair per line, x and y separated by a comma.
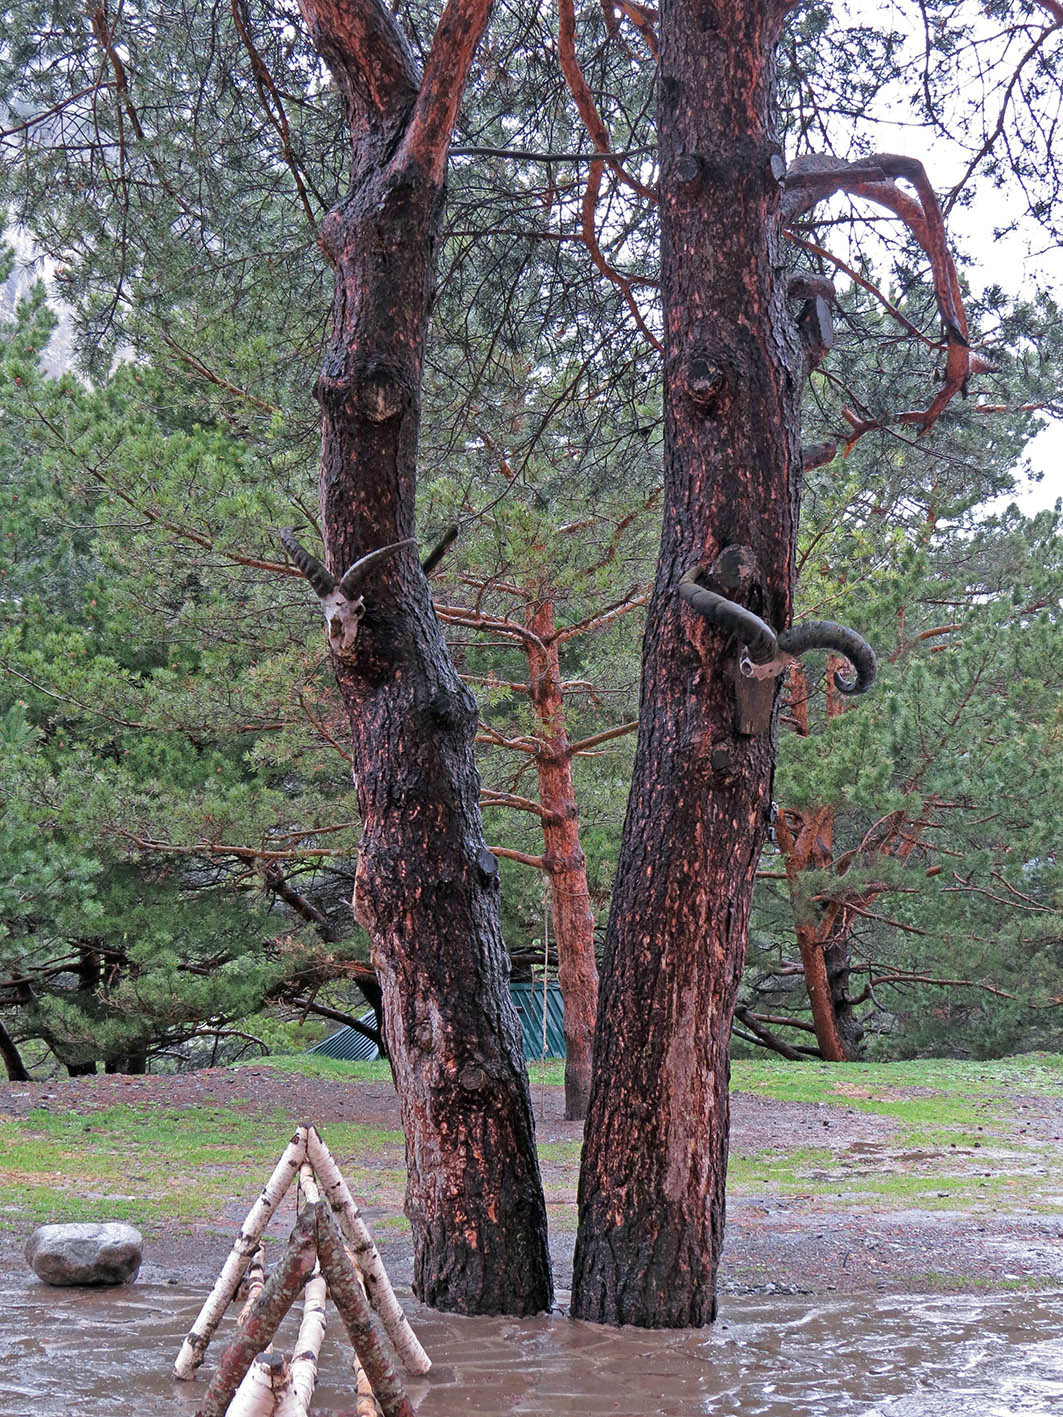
x,y
155,746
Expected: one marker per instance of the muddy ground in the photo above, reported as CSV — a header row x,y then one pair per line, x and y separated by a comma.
x,y
790,1243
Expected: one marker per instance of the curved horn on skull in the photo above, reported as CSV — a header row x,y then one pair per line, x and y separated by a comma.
x,y
825,634
726,614
354,575
312,569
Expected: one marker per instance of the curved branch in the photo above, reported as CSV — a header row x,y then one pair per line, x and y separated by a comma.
x,y
590,240
267,90
580,91
813,178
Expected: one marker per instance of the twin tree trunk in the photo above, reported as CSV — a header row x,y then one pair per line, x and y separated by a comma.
x,y
651,1188
427,887
651,1204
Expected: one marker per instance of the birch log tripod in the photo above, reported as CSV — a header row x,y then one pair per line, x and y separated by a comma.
x,y
251,1381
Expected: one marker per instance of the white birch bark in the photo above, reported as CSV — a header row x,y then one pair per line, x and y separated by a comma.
x,y
367,1259
308,1183
256,1395
285,1399
308,1343
256,1281
195,1345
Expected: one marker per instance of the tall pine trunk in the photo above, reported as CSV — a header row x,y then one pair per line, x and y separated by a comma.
x,y
427,887
652,1182
563,861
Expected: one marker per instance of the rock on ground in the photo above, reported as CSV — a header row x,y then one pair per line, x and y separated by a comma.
x,y
85,1254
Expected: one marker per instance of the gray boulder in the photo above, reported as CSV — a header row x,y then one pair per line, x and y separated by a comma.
x,y
109,1253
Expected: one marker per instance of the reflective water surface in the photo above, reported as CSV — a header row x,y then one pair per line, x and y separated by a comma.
x,y
65,1352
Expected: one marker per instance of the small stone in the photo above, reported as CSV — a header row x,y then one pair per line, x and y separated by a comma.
x,y
86,1254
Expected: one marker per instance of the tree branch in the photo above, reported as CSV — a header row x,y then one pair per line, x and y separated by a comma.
x,y
368,56
587,743
539,862
435,113
813,178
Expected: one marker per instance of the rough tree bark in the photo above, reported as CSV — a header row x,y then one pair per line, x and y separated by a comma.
x,y
563,861
806,840
654,1162
427,888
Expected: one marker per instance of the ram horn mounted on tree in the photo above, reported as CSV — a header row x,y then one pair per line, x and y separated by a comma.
x,y
342,605
769,651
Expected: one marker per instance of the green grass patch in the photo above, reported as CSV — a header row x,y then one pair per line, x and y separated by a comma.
x,y
149,1164
315,1065
777,1171
871,1086
561,1152
892,1180
932,1102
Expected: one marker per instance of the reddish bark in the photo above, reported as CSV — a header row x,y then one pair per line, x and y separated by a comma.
x,y
364,1329
563,861
427,888
809,846
821,927
652,1181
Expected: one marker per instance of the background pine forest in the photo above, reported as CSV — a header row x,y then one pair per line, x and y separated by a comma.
x,y
180,831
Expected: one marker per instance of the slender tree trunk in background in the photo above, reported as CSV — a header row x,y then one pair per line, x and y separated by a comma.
x,y
565,863
427,888
654,1161
837,958
806,841
16,1068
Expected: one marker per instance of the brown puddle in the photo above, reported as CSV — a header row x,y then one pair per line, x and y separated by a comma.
x,y
67,1352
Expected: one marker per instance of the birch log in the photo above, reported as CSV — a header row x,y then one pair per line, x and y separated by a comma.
x,y
285,1398
256,1279
377,1285
265,1383
366,1404
308,1342
281,1291
308,1184
364,1329
195,1345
